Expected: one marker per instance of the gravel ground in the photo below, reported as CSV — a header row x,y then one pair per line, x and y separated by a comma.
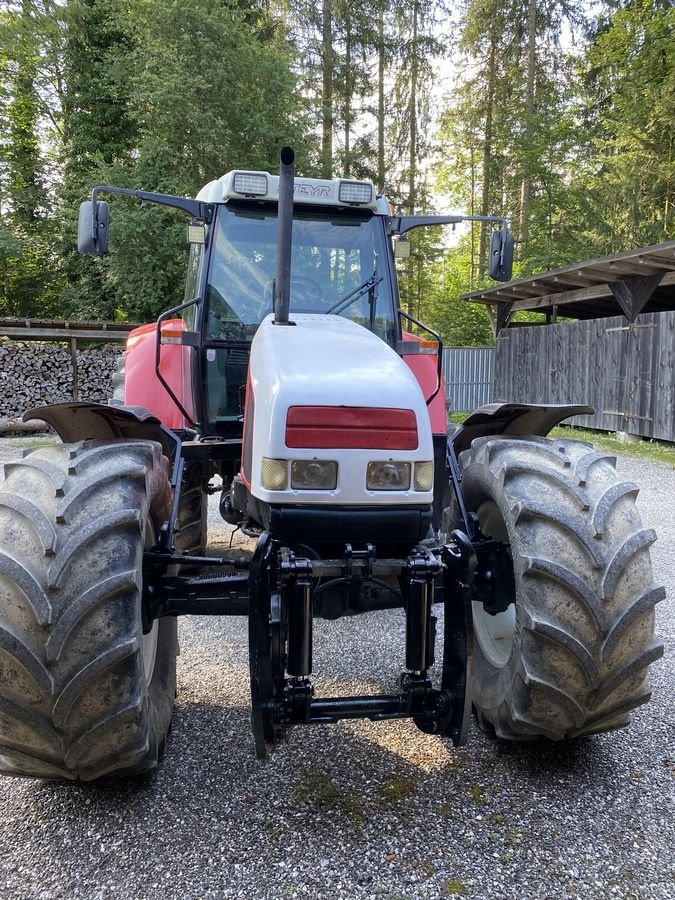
x,y
360,810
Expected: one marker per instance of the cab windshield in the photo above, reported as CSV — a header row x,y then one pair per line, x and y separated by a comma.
x,y
338,266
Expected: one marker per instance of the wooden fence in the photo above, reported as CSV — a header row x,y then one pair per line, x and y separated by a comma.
x,y
625,372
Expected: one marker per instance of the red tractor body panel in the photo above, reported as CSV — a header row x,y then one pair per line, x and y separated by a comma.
x,y
141,385
425,369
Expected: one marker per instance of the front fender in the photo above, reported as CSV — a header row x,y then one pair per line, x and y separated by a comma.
x,y
513,419
78,421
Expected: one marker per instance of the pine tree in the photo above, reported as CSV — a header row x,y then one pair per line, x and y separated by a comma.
x,y
28,270
97,123
624,193
510,128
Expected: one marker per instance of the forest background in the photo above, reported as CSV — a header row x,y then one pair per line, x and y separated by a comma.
x,y
555,113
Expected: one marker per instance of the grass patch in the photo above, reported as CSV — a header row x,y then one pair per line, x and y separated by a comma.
x,y
515,836
396,788
658,451
31,443
274,831
457,417
315,789
477,794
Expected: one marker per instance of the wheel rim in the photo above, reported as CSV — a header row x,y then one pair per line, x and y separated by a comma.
x,y
150,641
495,634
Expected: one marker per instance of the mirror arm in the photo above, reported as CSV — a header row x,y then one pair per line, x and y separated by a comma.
x,y
401,224
195,208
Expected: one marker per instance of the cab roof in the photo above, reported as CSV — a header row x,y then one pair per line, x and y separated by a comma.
x,y
347,193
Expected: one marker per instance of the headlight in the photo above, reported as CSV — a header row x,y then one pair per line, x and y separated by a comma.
x,y
274,475
424,476
313,475
388,476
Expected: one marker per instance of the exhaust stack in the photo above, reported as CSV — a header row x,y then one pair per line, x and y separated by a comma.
x,y
282,284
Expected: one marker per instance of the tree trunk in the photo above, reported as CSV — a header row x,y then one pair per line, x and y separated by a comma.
x,y
487,153
526,184
666,211
327,98
472,211
348,95
414,66
381,173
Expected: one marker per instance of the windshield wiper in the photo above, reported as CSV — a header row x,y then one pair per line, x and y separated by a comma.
x,y
345,302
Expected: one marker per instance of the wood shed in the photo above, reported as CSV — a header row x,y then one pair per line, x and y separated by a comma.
x,y
618,352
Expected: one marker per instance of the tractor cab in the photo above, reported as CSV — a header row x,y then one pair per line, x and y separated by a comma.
x,y
340,263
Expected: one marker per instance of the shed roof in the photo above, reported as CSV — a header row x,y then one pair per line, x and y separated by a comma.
x,y
634,281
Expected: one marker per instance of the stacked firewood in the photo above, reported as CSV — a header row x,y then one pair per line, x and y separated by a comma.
x,y
33,374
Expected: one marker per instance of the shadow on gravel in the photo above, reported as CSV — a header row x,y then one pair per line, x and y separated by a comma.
x,y
394,811
352,771
581,754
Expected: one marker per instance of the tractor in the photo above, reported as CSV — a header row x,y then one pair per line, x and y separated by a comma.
x,y
291,383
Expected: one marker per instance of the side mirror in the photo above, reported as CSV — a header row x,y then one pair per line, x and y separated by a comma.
x,y
92,228
500,265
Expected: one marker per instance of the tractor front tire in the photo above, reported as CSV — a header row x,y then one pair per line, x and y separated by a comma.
x,y
191,536
570,656
83,692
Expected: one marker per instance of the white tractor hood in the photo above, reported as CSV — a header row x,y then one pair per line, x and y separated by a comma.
x,y
330,361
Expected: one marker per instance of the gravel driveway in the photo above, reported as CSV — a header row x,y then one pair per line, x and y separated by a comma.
x,y
360,809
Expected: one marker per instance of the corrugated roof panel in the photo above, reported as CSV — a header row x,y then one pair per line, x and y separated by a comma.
x,y
583,289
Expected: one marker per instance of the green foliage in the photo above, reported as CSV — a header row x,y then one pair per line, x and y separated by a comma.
x,y
431,283
658,451
508,129
576,148
97,121
208,95
459,323
625,189
145,269
196,92
572,141
29,281
28,271
161,96
24,181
